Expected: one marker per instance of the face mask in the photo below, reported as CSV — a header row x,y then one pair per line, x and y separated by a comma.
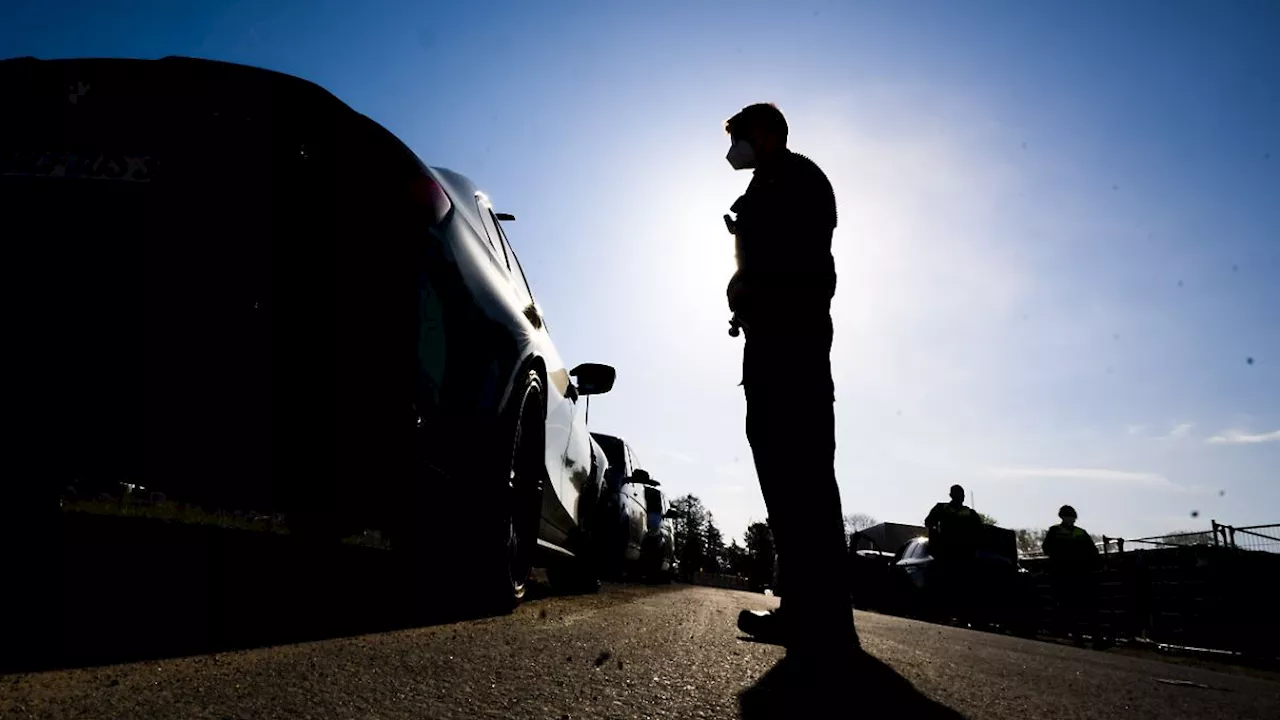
x,y
741,155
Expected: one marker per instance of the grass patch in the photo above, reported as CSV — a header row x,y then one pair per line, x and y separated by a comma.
x,y
175,512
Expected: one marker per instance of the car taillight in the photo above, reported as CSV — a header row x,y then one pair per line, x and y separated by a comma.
x,y
431,197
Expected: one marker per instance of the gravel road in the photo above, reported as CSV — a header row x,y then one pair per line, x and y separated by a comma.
x,y
641,652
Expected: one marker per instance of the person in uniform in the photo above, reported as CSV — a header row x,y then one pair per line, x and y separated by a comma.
x,y
781,297
953,539
1073,560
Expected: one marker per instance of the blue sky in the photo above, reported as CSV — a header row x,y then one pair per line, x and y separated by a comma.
x,y
1059,240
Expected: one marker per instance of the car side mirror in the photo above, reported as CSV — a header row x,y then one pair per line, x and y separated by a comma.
x,y
505,217
594,378
641,477
671,514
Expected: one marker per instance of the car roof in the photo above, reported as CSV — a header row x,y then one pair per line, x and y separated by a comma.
x,y
225,86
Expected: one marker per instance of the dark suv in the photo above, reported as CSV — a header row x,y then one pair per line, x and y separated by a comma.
x,y
242,294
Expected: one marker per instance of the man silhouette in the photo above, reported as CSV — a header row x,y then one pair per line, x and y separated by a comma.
x,y
1073,560
954,530
952,526
781,294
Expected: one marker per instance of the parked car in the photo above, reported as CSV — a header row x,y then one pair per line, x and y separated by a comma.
x,y
641,538
870,574
987,590
244,294
658,549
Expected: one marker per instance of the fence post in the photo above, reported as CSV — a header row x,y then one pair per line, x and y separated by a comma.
x,y
1106,545
1214,525
1120,544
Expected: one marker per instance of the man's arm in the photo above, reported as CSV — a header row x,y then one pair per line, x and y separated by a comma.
x,y
1086,544
1050,544
931,521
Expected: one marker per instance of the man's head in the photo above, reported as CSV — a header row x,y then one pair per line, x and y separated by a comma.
x,y
957,494
1068,515
757,134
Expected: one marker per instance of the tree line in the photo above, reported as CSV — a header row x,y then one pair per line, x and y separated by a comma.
x,y
700,545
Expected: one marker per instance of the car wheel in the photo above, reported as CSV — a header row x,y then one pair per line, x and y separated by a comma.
x,y
477,556
518,512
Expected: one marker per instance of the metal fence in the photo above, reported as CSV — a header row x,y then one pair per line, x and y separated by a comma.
x,y
1260,538
1205,537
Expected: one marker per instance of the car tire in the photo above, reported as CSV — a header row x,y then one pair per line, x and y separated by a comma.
x,y
476,557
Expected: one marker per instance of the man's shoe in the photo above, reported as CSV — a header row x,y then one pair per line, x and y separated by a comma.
x,y
771,626
766,626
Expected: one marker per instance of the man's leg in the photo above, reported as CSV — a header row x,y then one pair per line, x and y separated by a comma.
x,y
1075,612
767,453
791,427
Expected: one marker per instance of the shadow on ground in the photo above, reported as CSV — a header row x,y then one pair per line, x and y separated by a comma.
x,y
850,687
134,589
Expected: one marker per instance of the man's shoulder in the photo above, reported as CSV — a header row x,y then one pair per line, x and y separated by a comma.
x,y
803,166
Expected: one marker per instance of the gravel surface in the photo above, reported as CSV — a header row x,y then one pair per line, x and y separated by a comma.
x,y
641,652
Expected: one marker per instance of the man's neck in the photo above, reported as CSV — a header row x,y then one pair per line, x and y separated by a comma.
x,y
770,160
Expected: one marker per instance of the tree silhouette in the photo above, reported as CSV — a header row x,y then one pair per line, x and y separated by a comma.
x,y
1187,537
1029,541
714,552
691,533
736,560
857,522
758,542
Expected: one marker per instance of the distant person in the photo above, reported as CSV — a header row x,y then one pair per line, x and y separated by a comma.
x,y
781,295
952,526
1073,558
954,530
